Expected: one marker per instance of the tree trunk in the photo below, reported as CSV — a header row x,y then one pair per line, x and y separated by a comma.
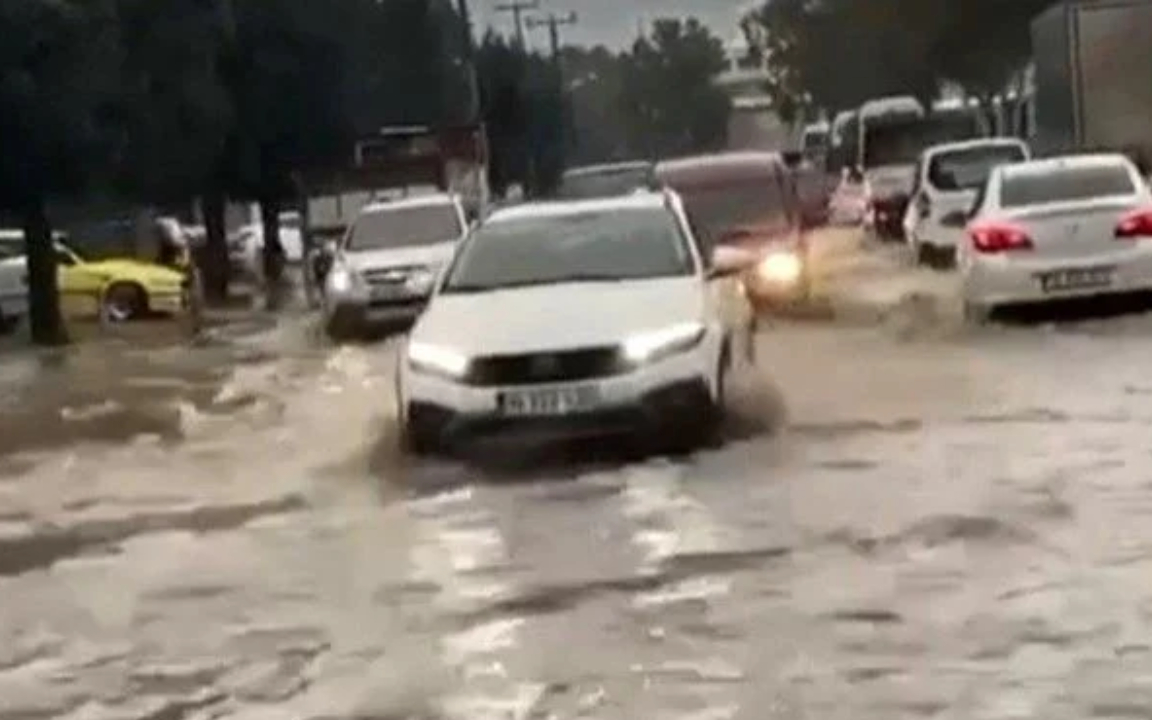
x,y
47,324
215,262
273,254
273,251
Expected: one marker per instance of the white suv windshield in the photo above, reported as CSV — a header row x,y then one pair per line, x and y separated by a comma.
x,y
587,246
405,227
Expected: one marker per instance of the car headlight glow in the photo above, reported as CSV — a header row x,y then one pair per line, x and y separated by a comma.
x,y
437,359
782,268
341,280
651,346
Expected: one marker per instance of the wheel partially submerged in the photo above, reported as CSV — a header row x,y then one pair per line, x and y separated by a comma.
x,y
124,301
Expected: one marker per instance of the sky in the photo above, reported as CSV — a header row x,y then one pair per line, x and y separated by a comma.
x,y
614,22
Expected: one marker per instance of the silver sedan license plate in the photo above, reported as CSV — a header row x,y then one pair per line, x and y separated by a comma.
x,y
549,402
1076,279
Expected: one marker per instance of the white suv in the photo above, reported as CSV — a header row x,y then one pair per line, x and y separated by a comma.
x,y
386,265
592,317
947,179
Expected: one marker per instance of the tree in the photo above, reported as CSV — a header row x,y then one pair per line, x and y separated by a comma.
x,y
176,114
58,72
985,43
284,76
524,114
836,54
670,102
503,70
593,80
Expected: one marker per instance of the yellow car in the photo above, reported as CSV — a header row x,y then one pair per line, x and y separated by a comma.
x,y
119,288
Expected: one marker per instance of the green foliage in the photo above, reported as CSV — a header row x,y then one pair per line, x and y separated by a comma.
x,y
58,76
175,114
885,47
58,79
525,116
670,103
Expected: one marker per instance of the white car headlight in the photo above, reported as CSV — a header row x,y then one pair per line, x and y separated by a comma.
x,y
654,345
421,281
781,267
437,360
341,280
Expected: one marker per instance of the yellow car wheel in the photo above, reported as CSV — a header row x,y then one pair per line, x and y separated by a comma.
x,y
124,301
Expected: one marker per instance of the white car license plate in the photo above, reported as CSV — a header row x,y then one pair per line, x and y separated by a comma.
x,y
549,402
1076,279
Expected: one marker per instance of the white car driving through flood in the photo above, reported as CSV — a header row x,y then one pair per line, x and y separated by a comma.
x,y
1057,228
948,177
574,319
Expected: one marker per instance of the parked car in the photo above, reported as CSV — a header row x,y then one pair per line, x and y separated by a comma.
x,y
575,319
120,289
383,271
1043,230
948,177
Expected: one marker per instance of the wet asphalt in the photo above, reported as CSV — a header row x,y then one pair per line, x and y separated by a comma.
x,y
911,518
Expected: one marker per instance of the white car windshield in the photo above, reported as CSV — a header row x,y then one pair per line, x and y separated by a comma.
x,y
969,168
597,245
1067,184
405,226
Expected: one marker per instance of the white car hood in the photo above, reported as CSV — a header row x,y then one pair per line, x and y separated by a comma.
x,y
557,317
888,180
429,255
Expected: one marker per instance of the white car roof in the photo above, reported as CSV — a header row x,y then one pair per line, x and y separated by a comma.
x,y
974,144
433,200
1047,165
554,209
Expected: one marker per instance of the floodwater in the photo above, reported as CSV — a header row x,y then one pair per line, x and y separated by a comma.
x,y
912,519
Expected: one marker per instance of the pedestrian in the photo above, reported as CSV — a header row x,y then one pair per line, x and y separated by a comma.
x,y
175,251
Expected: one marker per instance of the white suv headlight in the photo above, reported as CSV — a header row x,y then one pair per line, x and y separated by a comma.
x,y
437,360
341,280
651,346
420,282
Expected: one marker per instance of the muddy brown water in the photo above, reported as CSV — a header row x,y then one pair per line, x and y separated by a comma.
x,y
910,519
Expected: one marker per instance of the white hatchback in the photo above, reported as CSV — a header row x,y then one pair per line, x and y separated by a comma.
x,y
948,177
571,319
1064,227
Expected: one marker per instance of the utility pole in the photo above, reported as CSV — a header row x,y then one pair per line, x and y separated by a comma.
x,y
553,22
517,8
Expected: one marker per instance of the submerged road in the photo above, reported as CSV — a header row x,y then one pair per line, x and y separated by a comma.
x,y
911,519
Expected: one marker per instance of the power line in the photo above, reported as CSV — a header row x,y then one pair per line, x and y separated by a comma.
x,y
553,22
517,8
